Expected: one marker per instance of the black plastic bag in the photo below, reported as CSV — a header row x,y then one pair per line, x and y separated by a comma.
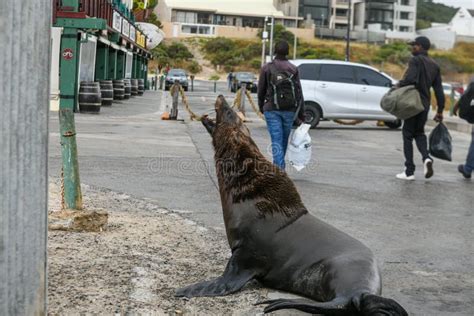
x,y
440,143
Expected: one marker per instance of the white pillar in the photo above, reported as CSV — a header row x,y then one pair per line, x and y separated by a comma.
x,y
24,93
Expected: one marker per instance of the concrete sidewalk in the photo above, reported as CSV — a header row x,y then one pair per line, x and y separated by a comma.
x,y
420,232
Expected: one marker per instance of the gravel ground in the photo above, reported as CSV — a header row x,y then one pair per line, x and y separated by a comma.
x,y
135,266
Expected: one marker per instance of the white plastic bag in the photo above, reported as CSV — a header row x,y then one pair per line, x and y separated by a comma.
x,y
299,147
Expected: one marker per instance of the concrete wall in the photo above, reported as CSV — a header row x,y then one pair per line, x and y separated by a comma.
x,y
440,37
55,52
24,67
173,30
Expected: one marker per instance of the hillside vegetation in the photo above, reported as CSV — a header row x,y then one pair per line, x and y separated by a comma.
x,y
429,12
221,55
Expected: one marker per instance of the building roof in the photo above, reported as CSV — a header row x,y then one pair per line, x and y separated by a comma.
x,y
258,8
471,12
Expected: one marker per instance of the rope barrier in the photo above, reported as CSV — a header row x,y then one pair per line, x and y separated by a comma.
x,y
193,116
236,105
353,122
255,108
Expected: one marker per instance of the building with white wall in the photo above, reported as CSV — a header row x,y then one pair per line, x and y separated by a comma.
x,y
459,29
228,18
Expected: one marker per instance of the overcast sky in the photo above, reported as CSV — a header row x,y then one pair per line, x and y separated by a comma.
x,y
458,3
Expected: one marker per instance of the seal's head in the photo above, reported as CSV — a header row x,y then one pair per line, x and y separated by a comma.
x,y
226,117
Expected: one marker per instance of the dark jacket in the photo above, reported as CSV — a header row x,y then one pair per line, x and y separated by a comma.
x,y
424,73
265,95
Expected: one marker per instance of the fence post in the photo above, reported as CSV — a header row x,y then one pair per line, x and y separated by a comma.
x,y
175,94
243,95
24,94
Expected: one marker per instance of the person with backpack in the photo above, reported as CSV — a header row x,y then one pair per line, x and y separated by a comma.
x,y
424,73
280,99
465,106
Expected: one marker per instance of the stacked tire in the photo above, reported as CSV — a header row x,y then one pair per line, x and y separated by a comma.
x,y
128,89
141,86
134,87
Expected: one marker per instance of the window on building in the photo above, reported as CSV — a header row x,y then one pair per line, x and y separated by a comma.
x,y
317,9
186,17
404,15
341,12
309,71
337,73
405,29
369,77
405,2
204,18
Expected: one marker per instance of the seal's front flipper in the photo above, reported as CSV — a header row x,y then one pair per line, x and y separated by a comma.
x,y
233,279
338,306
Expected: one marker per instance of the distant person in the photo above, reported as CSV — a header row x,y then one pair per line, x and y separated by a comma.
x,y
466,100
279,97
424,73
230,78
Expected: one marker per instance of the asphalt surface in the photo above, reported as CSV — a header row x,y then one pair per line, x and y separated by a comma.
x,y
421,232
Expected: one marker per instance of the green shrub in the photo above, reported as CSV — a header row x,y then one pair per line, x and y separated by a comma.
x,y
256,63
397,53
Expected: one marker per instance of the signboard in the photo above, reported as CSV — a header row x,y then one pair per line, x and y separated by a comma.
x,y
117,22
133,34
125,28
140,39
68,54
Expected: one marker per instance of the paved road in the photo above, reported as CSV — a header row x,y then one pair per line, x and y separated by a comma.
x,y
421,232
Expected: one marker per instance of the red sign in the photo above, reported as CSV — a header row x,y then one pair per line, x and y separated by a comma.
x,y
68,54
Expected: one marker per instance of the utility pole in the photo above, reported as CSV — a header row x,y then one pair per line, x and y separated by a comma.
x,y
294,47
348,35
271,37
68,67
264,40
24,91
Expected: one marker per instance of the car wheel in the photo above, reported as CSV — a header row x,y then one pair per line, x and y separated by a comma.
x,y
185,88
167,88
393,124
312,114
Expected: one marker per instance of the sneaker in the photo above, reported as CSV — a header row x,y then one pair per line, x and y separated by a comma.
x,y
428,168
403,176
463,172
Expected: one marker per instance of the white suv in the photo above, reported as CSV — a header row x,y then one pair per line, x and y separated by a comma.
x,y
343,90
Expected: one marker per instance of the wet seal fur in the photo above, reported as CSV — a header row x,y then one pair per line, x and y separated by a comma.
x,y
276,241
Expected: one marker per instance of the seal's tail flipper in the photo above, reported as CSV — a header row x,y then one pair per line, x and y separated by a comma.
x,y
371,305
336,307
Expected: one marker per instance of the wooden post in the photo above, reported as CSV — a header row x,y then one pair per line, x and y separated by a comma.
x,y
243,95
24,93
174,107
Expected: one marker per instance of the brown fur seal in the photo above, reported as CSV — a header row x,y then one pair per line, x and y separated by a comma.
x,y
277,242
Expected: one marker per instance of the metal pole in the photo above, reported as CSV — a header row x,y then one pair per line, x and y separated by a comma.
x,y
348,35
271,38
264,40
24,91
242,99
294,47
68,68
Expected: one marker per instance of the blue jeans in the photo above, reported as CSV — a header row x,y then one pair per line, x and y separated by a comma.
x,y
279,125
469,166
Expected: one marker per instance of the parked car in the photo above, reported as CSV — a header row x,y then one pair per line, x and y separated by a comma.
x,y
448,87
176,74
241,78
343,90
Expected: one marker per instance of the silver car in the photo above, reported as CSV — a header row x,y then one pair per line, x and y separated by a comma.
x,y
343,90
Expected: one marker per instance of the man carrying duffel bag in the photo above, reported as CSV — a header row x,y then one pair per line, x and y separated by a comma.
x,y
423,73
465,106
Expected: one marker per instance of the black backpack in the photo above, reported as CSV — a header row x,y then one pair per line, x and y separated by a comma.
x,y
283,89
466,110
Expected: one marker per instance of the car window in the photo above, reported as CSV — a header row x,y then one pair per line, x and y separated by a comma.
x,y
369,77
177,73
337,73
245,76
309,71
